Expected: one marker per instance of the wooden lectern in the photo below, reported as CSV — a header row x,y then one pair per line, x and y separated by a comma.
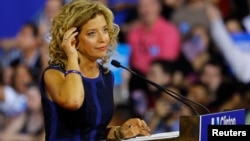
x,y
189,129
194,128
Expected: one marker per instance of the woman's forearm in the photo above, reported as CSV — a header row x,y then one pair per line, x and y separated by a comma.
x,y
72,91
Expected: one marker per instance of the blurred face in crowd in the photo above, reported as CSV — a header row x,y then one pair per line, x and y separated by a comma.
x,y
26,38
7,77
22,77
195,46
34,98
199,94
157,75
162,106
52,8
149,11
202,33
211,76
166,104
233,26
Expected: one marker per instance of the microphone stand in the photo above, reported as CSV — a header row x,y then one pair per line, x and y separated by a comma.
x,y
177,96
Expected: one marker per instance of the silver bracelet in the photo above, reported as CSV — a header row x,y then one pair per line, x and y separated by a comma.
x,y
72,71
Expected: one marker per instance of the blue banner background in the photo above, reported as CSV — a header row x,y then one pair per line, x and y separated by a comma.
x,y
14,13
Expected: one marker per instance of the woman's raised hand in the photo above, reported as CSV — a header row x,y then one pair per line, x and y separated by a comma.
x,y
69,43
134,127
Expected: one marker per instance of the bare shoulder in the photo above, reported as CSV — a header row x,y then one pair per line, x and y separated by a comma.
x,y
53,75
54,80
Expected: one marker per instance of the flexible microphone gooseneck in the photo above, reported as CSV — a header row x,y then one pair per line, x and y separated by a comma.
x,y
177,96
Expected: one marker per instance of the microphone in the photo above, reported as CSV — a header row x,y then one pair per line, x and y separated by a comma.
x,y
177,96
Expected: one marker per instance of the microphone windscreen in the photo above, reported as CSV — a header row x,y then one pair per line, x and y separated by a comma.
x,y
116,63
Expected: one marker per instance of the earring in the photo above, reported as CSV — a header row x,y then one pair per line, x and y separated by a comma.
x,y
77,48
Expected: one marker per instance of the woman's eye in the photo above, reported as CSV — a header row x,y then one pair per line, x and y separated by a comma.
x,y
91,33
105,30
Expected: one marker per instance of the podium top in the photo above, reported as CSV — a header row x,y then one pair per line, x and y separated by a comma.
x,y
164,135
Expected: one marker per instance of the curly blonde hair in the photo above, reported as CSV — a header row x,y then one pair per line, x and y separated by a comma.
x,y
76,14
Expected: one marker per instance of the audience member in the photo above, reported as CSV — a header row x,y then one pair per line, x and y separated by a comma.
x,y
8,74
142,99
26,50
44,20
235,57
153,37
7,97
234,26
229,96
11,102
200,93
164,116
195,47
213,74
169,7
193,12
28,126
21,78
28,41
121,9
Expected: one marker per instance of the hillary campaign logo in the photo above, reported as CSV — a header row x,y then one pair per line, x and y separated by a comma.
x,y
223,120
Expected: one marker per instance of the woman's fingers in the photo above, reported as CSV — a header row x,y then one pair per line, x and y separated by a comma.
x,y
144,125
69,43
136,127
72,36
72,39
143,128
129,132
144,133
68,33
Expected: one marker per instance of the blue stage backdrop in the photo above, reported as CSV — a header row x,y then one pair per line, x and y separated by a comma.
x,y
13,13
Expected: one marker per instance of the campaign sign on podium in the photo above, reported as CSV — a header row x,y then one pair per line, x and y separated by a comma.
x,y
234,117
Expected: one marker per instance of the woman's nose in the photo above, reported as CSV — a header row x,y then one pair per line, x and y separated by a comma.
x,y
101,37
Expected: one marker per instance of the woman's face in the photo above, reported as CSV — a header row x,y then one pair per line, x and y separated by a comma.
x,y
198,93
22,78
94,38
26,39
149,10
157,75
211,76
52,8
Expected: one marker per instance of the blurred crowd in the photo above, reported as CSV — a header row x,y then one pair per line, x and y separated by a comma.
x,y
199,49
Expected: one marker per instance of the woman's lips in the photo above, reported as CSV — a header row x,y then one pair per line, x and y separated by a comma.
x,y
104,48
